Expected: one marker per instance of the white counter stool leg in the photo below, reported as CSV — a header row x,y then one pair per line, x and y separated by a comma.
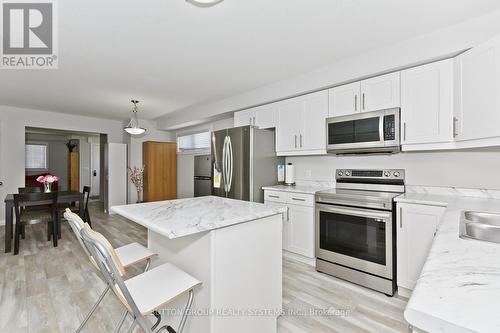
x,y
127,255
145,293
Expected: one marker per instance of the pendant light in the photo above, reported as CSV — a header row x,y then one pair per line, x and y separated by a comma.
x,y
204,3
133,126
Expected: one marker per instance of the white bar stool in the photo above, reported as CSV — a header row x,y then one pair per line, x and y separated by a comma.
x,y
145,293
126,256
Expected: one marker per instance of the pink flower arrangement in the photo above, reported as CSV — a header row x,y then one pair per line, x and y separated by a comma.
x,y
47,179
137,178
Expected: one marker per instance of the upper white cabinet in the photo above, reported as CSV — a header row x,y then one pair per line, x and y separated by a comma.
x,y
262,116
380,92
301,125
344,99
478,89
416,228
427,103
377,93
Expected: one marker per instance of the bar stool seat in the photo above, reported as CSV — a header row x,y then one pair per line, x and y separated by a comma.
x,y
133,253
151,292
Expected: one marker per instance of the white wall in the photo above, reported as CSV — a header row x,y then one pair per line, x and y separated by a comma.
x,y
468,168
135,150
185,161
413,51
12,139
57,155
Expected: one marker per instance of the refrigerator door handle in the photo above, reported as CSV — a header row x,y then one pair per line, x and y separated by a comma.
x,y
230,171
224,153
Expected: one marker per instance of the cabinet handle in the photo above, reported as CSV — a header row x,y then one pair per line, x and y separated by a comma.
x,y
404,131
298,199
295,141
363,101
250,120
301,141
273,196
287,213
355,102
401,217
254,121
455,121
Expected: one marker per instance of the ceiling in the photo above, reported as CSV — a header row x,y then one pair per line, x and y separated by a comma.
x,y
170,54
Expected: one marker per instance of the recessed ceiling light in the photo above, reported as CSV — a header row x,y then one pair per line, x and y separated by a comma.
x,y
204,3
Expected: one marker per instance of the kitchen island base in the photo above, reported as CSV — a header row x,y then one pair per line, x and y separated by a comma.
x,y
240,267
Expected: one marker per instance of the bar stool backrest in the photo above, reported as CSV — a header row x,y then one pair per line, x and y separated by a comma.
x,y
101,251
77,225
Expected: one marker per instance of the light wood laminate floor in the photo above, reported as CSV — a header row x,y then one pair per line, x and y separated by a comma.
x,y
46,289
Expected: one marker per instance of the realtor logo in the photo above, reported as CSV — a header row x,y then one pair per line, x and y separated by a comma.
x,y
28,34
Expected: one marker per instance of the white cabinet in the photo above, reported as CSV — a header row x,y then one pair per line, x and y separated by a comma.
x,y
344,100
427,103
298,225
301,125
380,92
377,93
416,228
479,92
262,116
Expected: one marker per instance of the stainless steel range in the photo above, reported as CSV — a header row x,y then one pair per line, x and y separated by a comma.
x,y
355,228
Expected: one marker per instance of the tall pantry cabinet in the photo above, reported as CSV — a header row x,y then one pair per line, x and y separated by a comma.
x,y
160,170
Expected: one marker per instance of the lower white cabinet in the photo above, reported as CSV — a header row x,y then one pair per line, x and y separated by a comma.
x,y
298,224
416,228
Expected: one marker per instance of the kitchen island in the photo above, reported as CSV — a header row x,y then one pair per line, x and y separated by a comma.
x,y
232,246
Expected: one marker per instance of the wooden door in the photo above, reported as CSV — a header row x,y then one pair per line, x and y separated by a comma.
x,y
160,172
74,171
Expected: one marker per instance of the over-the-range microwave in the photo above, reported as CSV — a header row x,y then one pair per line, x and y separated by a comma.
x,y
366,132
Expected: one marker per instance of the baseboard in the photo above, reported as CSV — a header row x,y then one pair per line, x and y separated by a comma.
x,y
298,257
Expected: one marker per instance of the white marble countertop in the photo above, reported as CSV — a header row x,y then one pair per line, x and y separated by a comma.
x,y
459,287
182,217
306,189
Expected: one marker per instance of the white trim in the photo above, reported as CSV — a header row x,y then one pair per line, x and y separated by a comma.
x,y
298,257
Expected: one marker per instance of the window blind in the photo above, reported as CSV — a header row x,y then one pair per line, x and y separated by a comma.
x,y
196,141
36,156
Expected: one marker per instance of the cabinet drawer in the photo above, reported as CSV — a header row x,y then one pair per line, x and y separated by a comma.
x,y
301,199
275,196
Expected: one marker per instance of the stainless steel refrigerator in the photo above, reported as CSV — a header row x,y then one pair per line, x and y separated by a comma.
x,y
243,160
202,175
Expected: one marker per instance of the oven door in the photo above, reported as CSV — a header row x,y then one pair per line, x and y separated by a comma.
x,y
357,238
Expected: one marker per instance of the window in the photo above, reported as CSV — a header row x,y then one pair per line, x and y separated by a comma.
x,y
36,156
196,141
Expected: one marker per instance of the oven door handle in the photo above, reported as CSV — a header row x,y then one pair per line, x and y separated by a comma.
x,y
353,211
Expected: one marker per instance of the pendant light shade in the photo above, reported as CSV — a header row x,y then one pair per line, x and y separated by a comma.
x,y
133,127
204,3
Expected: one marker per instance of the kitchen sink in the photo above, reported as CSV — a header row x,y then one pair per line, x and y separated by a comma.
x,y
483,226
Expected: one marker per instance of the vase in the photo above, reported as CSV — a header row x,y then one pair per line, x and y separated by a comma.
x,y
139,196
47,187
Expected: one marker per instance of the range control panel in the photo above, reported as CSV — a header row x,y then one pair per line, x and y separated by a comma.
x,y
369,174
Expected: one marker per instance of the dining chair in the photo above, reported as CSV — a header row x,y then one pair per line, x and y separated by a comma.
x,y
34,189
145,293
126,255
28,216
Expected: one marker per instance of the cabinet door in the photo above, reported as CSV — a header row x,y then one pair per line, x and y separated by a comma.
x,y
243,118
479,105
381,92
300,230
265,115
427,103
416,228
288,127
344,100
313,123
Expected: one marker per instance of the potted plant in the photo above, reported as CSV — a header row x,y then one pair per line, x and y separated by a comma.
x,y
71,145
47,181
137,178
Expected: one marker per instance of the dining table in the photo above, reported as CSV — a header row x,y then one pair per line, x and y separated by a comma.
x,y
63,197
